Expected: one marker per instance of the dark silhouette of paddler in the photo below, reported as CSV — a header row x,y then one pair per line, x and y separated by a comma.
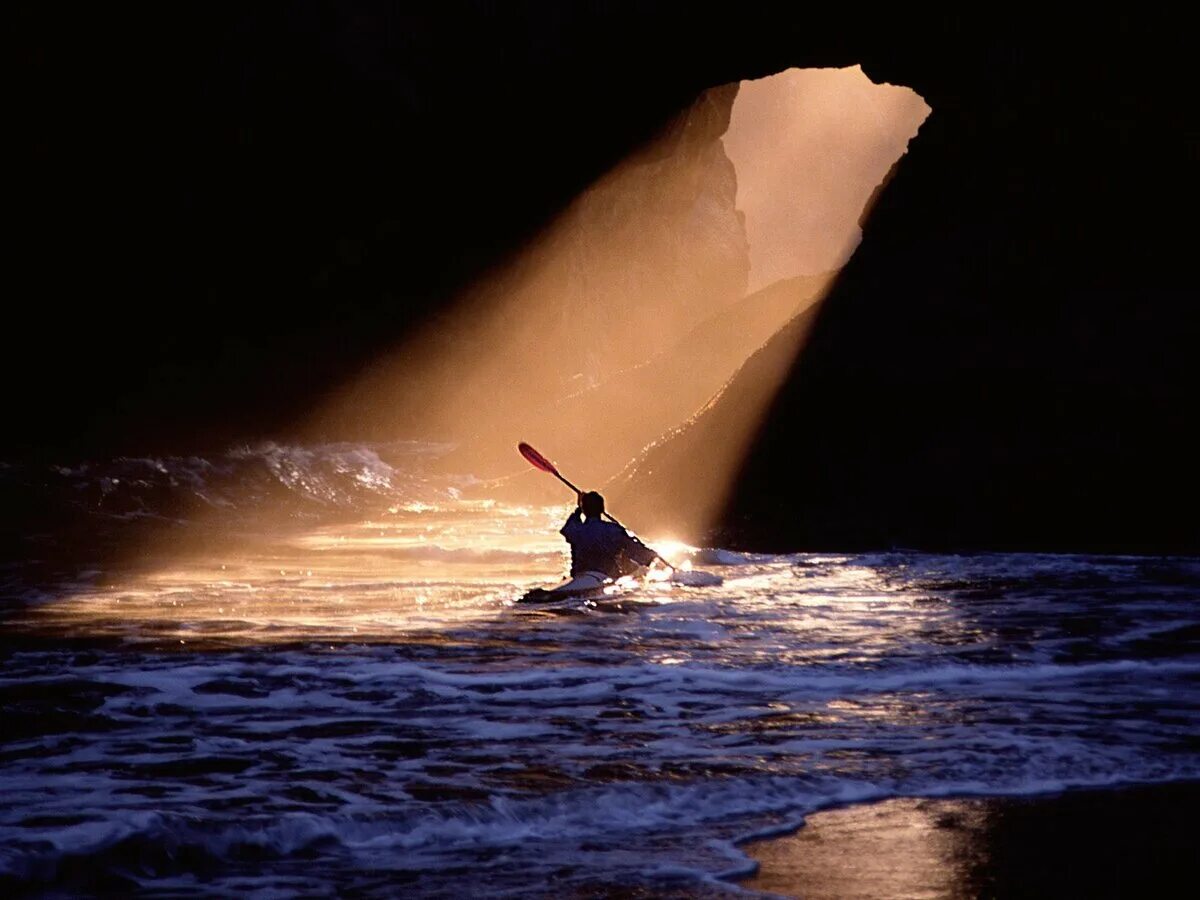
x,y
598,545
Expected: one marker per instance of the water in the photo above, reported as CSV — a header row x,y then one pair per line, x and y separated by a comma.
x,y
344,704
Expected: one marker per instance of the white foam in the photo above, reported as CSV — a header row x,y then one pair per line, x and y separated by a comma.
x,y
696,578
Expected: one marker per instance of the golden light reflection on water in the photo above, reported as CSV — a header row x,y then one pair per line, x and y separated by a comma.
x,y
901,848
425,569
453,570
675,552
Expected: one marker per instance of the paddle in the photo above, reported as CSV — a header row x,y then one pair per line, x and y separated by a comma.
x,y
540,462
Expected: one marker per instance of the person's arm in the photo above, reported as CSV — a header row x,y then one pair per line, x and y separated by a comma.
x,y
573,522
637,551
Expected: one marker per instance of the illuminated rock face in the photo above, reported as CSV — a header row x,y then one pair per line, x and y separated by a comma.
x,y
678,485
651,248
644,255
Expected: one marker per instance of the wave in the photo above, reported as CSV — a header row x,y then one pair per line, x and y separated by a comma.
x,y
142,848
799,681
302,480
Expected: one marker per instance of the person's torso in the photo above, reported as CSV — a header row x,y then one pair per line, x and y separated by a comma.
x,y
595,546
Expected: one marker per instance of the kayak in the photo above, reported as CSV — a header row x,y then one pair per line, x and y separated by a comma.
x,y
586,584
593,585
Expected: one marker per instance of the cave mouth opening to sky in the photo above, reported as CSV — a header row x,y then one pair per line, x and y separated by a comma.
x,y
810,148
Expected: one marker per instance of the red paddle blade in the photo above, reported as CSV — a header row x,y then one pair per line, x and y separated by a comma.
x,y
536,459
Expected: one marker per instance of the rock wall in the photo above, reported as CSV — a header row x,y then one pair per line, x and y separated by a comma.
x,y
1007,361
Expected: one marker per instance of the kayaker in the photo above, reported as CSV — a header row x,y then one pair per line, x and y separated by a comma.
x,y
601,546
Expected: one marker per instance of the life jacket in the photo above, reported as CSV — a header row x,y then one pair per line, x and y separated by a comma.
x,y
600,546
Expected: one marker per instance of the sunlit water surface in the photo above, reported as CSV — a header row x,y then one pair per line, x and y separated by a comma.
x,y
362,708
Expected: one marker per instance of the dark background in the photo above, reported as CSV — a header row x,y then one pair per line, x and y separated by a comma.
x,y
220,212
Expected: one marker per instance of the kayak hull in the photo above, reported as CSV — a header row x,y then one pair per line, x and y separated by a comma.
x,y
586,584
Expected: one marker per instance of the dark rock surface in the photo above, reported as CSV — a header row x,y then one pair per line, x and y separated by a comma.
x,y
1007,361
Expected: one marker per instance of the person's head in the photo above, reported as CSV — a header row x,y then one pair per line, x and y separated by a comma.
x,y
592,505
